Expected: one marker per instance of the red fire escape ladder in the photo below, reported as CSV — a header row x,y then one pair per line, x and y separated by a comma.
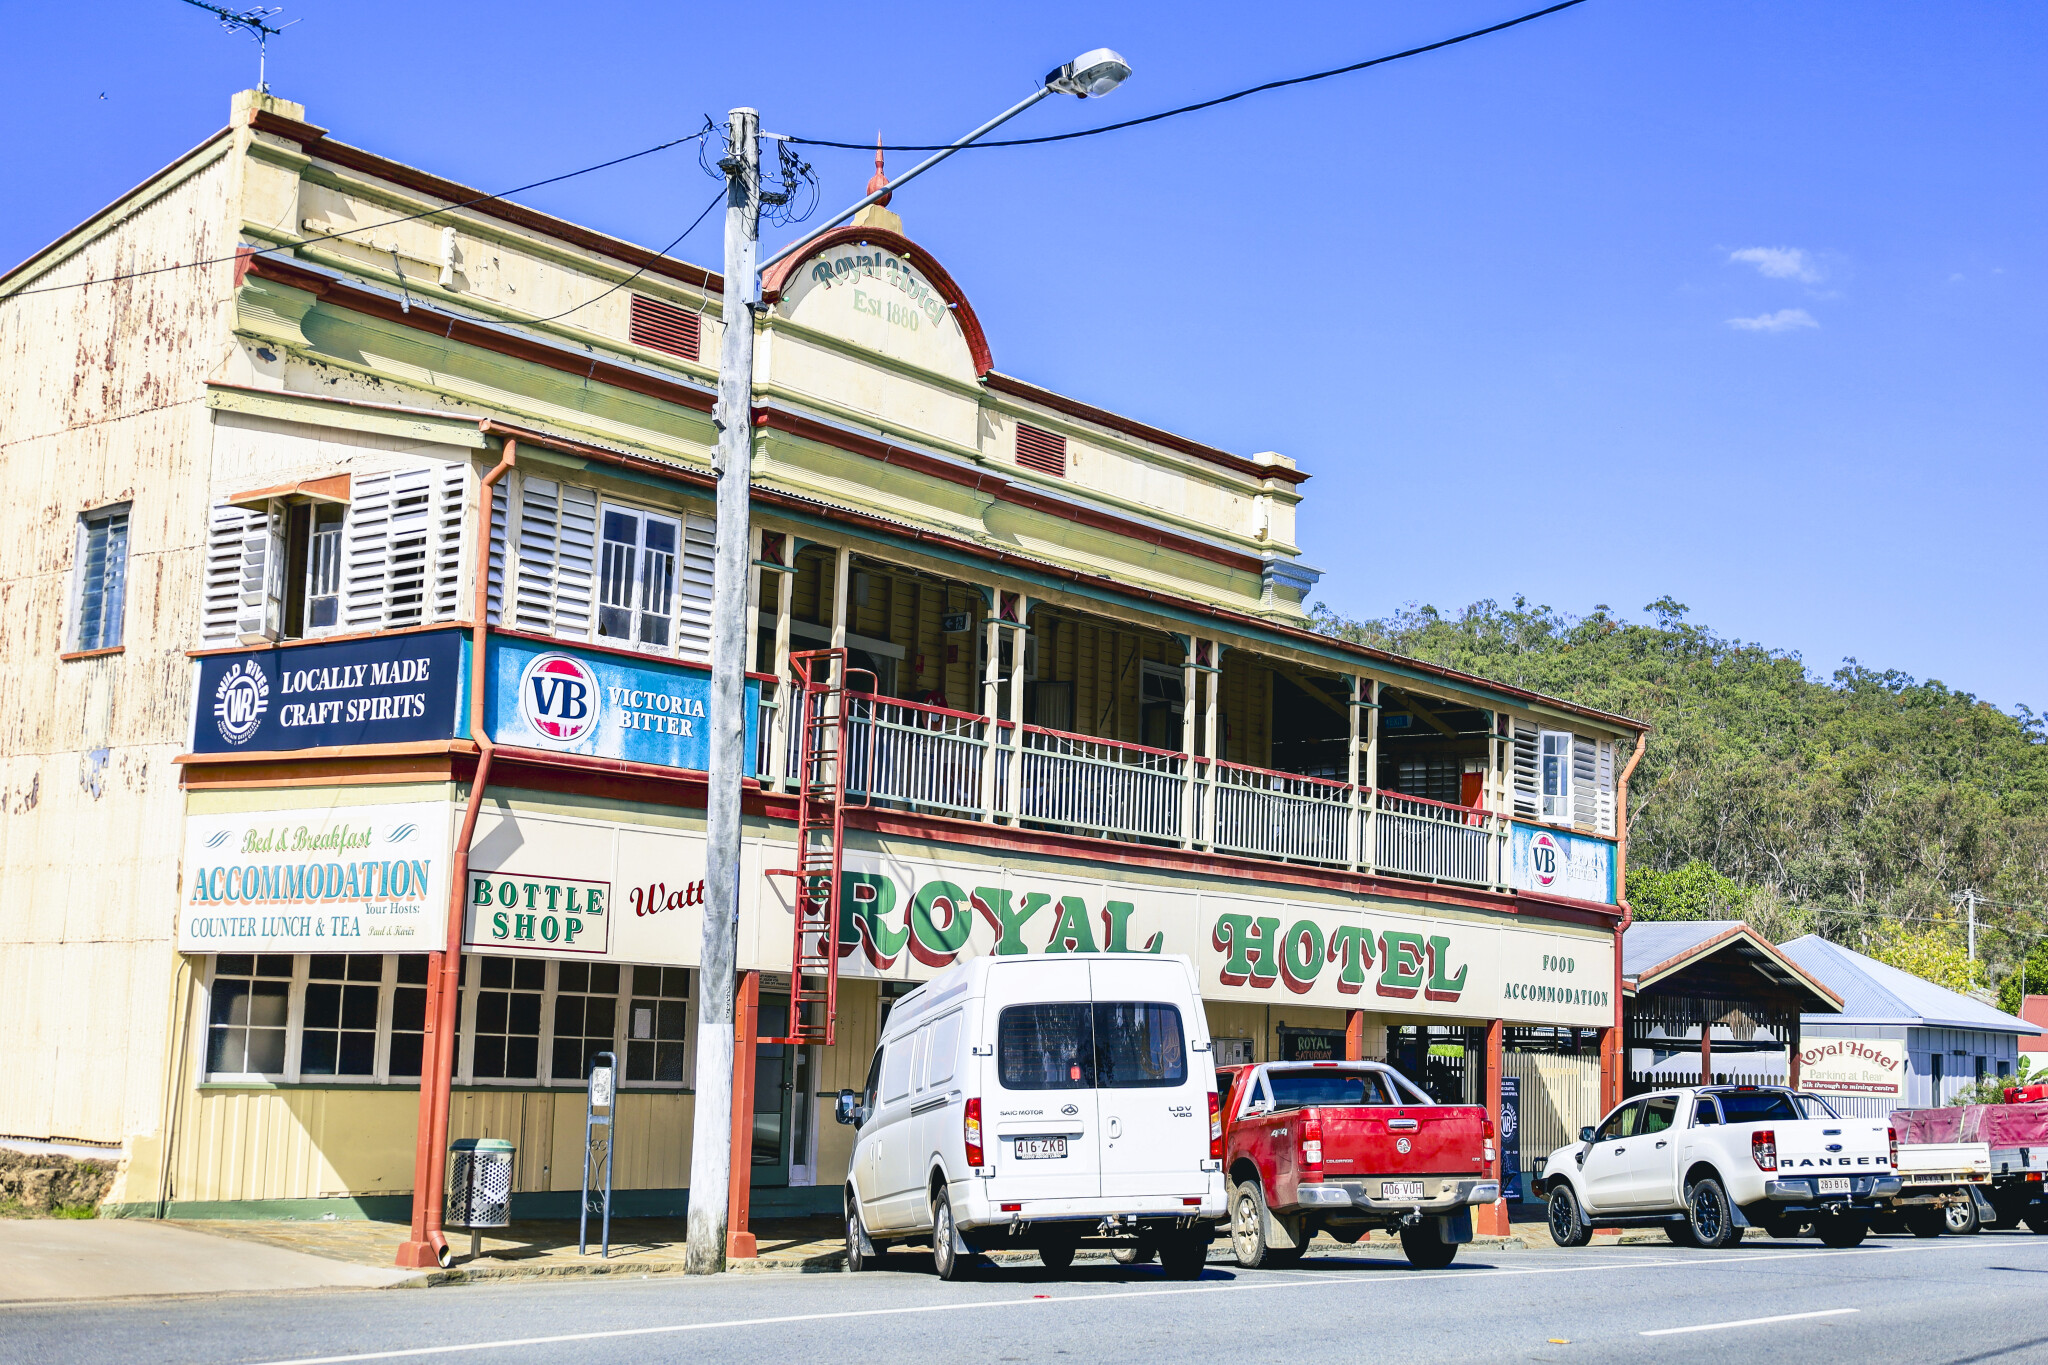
x,y
823,756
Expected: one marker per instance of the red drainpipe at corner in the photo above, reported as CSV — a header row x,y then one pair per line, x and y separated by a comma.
x,y
1628,914
428,1245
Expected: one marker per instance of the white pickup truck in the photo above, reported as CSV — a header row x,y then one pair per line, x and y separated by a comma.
x,y
1705,1163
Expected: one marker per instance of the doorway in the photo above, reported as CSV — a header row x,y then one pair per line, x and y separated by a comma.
x,y
774,1085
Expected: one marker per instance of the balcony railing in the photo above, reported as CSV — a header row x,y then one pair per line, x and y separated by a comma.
x,y
929,759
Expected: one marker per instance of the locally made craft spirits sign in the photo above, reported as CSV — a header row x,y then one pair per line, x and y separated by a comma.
x,y
392,689
336,879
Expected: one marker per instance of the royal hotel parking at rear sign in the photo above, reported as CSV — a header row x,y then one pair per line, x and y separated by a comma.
x,y
331,879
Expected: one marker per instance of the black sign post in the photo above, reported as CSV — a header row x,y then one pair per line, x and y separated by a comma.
x,y
1511,1138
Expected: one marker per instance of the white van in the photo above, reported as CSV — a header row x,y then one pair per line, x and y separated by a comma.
x,y
1047,1103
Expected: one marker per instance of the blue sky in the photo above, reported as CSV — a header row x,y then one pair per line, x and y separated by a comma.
x,y
1743,303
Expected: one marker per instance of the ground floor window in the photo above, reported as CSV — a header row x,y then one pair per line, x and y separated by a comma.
x,y
361,1017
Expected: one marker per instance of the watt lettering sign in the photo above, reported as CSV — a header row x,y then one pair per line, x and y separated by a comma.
x,y
392,689
336,879
1558,862
1854,1066
578,701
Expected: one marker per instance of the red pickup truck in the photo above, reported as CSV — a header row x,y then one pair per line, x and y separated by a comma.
x,y
1344,1147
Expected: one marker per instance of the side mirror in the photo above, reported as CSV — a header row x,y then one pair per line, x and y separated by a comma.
x,y
846,1107
1585,1134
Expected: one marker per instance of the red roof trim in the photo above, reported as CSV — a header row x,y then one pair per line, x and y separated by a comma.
x,y
315,142
1017,388
778,275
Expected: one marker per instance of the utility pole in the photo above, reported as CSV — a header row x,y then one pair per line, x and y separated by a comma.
x,y
711,1172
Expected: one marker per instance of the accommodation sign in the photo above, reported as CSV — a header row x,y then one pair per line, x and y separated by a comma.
x,y
393,689
1558,862
546,696
332,879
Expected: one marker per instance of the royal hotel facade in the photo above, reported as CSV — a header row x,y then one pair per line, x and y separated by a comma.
x,y
293,538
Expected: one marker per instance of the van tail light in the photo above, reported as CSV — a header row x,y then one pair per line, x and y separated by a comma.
x,y
1892,1135
970,1130
1215,1128
1763,1147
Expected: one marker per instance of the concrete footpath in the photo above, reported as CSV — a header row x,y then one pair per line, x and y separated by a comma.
x,y
59,1258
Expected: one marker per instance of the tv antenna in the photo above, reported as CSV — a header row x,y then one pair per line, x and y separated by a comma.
x,y
253,21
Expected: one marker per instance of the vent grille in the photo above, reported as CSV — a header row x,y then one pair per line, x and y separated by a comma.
x,y
1042,451
664,327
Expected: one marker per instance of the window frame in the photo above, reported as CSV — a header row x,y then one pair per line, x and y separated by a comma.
x,y
678,523
1554,807
74,627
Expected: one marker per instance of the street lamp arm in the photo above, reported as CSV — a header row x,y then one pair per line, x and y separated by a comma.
x,y
915,171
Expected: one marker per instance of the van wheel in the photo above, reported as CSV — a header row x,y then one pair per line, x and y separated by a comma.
x,y
1182,1258
861,1252
1962,1220
1425,1245
1248,1224
1712,1216
1057,1258
1838,1230
1568,1225
951,1264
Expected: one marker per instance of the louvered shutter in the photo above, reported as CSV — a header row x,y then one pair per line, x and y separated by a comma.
x,y
367,535
1604,811
1585,783
259,600
1527,762
501,512
227,539
450,537
557,554
693,608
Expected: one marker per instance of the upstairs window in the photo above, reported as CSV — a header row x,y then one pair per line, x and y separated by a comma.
x,y
312,568
1557,774
100,579
1042,451
636,594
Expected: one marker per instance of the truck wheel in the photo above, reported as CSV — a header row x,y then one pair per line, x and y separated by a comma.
x,y
1425,1245
861,1252
951,1264
2037,1221
1182,1258
1926,1222
1841,1230
1962,1220
1681,1234
1248,1224
1711,1215
1568,1226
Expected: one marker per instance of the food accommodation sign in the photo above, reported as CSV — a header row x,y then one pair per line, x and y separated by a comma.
x,y
606,705
1854,1066
392,689
339,879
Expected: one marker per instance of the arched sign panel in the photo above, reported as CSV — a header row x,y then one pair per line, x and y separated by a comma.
x,y
882,301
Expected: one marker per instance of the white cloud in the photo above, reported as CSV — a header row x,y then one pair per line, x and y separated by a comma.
x,y
1780,263
1784,320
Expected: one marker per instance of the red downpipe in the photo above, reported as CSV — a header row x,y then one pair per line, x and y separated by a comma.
x,y
428,1245
1628,915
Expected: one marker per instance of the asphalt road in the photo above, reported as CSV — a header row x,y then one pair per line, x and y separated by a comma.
x,y
1953,1300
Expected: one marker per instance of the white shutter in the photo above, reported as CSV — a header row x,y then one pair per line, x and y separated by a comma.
x,y
1604,809
693,610
366,534
1585,782
259,595
557,552
1527,763
227,537
449,533
501,512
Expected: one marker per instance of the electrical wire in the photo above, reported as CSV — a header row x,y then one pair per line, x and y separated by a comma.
x,y
715,200
369,227
1210,103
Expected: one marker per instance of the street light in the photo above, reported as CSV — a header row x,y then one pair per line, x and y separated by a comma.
x,y
1090,74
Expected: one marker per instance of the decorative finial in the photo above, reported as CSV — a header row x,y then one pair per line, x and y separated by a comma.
x,y
879,181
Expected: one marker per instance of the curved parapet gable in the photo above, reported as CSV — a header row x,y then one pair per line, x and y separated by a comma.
x,y
878,289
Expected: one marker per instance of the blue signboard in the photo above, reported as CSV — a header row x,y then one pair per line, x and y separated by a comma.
x,y
1511,1137
582,701
1558,862
389,689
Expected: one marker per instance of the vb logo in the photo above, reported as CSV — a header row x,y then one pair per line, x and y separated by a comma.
x,y
1545,859
558,698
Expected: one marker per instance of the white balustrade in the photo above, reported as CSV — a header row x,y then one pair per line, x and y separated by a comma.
x,y
1278,815
1443,843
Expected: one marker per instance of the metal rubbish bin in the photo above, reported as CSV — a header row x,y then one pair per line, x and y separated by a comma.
x,y
479,1186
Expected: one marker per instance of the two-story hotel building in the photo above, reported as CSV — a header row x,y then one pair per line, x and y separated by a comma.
x,y
405,477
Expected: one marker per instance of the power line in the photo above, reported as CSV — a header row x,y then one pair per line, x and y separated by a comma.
x,y
1210,103
716,199
370,227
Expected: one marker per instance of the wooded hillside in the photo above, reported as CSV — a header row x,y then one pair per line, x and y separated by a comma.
x,y
1856,806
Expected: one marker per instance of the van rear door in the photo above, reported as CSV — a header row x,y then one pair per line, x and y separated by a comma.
x,y
1152,1087
1039,1119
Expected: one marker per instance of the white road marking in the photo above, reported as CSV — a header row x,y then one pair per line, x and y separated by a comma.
x,y
1070,1300
1749,1322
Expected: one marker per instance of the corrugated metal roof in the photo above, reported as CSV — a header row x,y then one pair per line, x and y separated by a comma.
x,y
1647,945
1875,993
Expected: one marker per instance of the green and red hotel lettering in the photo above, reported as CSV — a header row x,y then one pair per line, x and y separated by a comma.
x,y
1256,953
